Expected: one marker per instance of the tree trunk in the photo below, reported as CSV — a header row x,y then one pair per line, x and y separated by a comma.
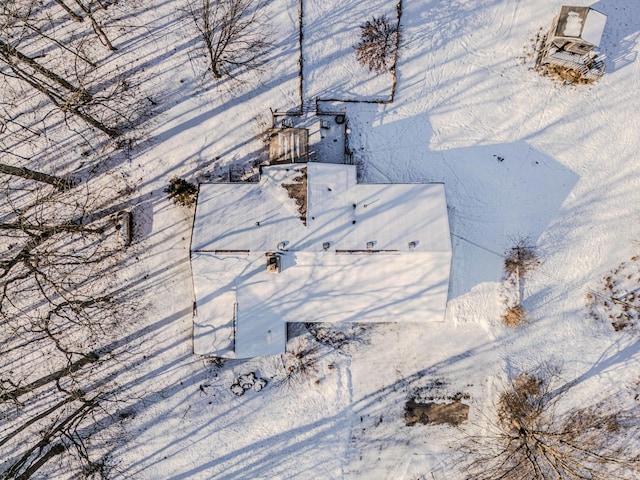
x,y
9,52
71,13
58,182
57,449
64,104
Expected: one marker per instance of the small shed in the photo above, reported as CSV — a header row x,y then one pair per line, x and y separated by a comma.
x,y
577,29
288,145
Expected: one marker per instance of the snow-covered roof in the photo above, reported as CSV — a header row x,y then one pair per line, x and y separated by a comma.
x,y
594,27
368,253
583,23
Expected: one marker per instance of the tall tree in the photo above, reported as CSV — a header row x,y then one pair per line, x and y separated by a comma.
x,y
378,44
234,34
536,437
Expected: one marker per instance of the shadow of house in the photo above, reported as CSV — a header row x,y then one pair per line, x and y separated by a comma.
x,y
496,194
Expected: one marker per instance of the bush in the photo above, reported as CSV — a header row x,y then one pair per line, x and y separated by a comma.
x,y
378,44
300,361
182,192
520,259
617,300
514,316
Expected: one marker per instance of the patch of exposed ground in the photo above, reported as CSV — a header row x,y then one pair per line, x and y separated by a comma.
x,y
298,191
451,413
435,404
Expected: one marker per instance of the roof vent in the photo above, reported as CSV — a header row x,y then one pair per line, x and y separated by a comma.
x,y
326,245
370,245
273,262
413,245
282,245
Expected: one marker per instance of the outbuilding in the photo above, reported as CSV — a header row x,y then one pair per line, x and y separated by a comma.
x,y
577,29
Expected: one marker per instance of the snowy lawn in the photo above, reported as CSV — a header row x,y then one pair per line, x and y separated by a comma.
x,y
521,157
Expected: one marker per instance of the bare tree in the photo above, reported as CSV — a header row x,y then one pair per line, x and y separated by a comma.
x,y
62,93
57,252
67,76
378,44
531,440
234,34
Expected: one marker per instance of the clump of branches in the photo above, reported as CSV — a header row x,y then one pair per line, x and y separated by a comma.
x,y
234,34
530,439
182,192
300,361
337,336
378,44
520,260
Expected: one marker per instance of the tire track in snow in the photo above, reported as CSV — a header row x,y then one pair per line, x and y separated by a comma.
x,y
348,413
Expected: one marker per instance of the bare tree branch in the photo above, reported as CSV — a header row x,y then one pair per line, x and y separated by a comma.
x,y
234,34
530,441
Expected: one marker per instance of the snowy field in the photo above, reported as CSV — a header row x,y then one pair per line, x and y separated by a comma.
x,y
521,157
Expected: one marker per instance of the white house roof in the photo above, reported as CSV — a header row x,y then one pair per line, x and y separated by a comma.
x,y
386,259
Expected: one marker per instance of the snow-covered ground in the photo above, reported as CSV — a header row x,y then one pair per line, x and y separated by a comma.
x,y
521,156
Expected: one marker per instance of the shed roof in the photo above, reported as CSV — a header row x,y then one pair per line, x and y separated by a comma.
x,y
288,145
582,23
